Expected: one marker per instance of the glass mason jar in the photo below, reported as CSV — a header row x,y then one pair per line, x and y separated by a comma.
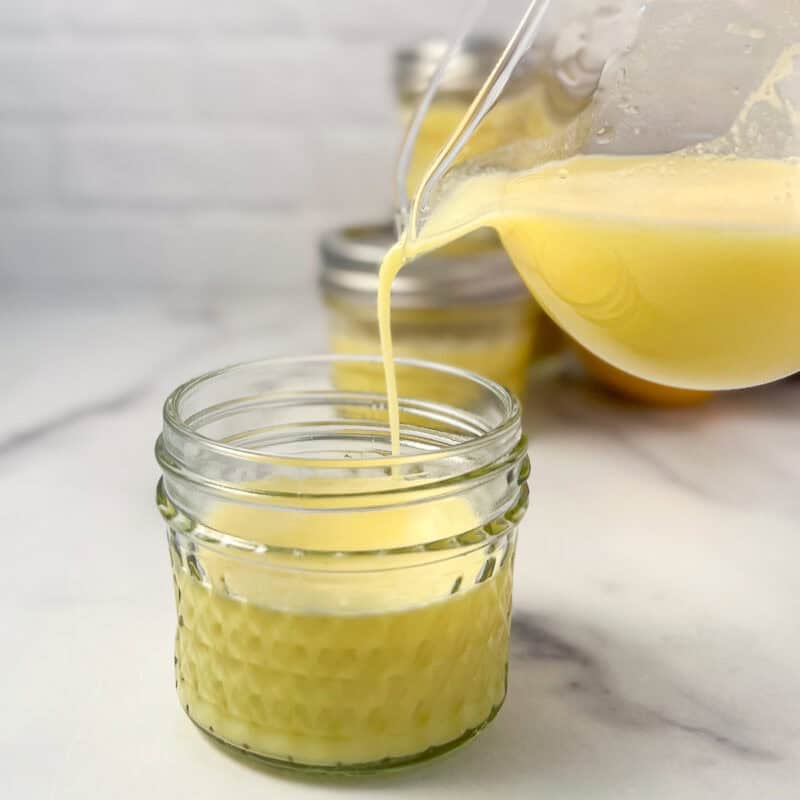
x,y
340,609
464,305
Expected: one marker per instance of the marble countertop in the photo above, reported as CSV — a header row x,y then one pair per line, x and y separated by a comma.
x,y
656,648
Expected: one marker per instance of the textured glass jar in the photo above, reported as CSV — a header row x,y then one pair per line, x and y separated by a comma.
x,y
464,305
340,609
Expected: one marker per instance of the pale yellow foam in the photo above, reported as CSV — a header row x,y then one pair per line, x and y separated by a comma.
x,y
680,269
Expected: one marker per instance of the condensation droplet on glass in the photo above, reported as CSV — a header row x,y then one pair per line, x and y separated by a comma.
x,y
603,135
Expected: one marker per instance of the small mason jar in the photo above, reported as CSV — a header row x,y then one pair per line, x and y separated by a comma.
x,y
340,609
463,305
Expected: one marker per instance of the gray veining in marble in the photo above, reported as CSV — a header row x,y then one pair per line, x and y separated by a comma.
x,y
591,688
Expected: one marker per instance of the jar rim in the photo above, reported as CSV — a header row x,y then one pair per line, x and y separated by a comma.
x,y
465,450
480,275
174,419
414,66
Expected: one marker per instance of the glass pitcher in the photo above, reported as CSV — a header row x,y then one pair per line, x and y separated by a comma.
x,y
639,161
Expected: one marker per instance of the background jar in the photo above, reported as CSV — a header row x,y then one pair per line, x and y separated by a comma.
x,y
340,609
414,67
463,305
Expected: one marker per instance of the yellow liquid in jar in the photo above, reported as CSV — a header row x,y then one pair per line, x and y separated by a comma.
x,y
505,362
301,668
497,342
507,123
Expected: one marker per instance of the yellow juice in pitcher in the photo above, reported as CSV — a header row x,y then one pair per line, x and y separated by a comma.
x,y
683,269
690,278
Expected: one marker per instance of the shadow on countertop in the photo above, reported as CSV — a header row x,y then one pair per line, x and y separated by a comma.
x,y
565,723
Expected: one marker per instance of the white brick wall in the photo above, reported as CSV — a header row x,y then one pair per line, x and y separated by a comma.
x,y
25,16
194,142
122,81
184,167
25,166
187,17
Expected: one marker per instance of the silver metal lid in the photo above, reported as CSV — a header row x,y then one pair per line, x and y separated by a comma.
x,y
474,271
414,66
